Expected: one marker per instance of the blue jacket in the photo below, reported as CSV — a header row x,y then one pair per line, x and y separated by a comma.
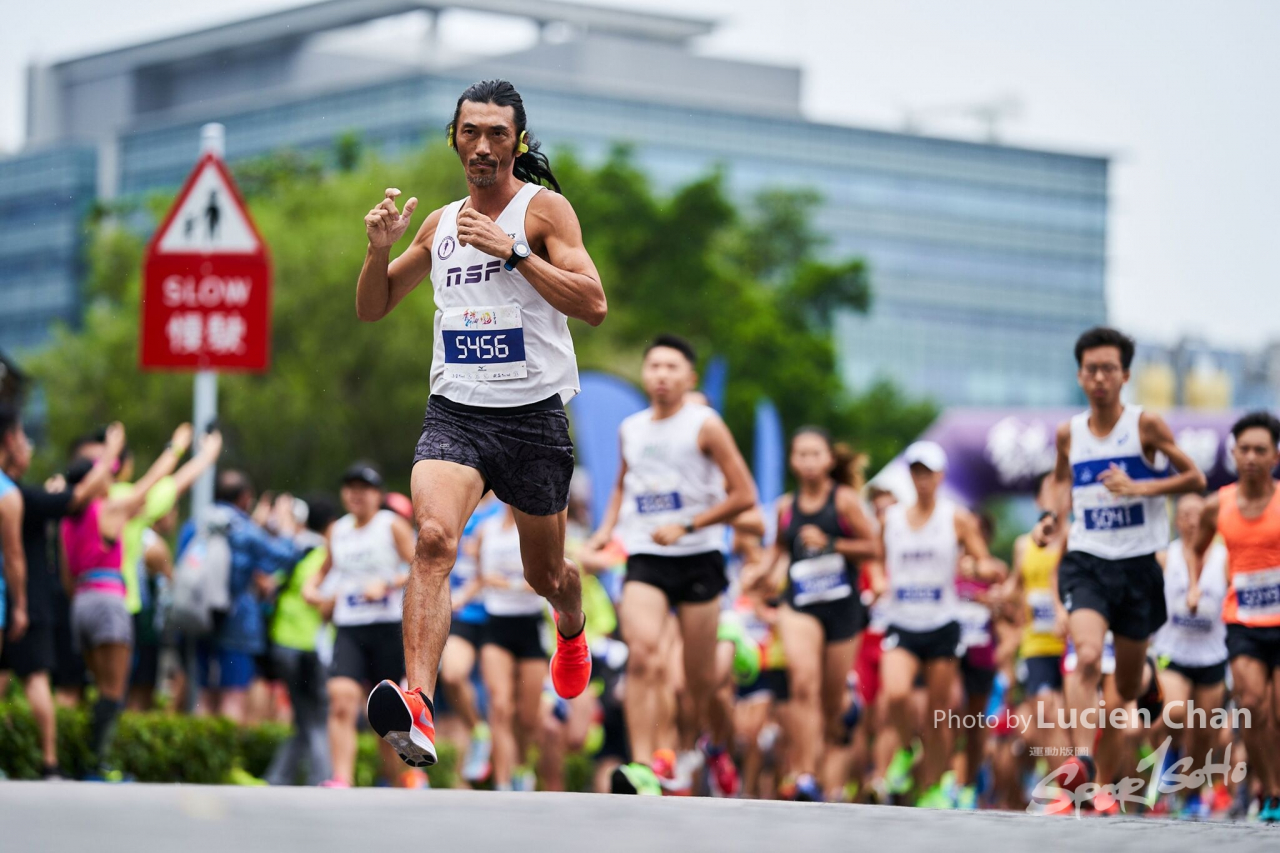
x,y
253,550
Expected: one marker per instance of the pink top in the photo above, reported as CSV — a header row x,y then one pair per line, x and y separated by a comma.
x,y
94,564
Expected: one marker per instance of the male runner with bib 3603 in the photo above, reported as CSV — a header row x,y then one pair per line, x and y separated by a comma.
x,y
508,268
1112,472
1246,515
680,480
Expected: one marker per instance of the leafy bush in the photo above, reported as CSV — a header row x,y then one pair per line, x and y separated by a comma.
x,y
158,746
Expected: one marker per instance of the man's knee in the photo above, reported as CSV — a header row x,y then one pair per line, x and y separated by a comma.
x,y
1089,661
437,546
547,580
501,710
644,661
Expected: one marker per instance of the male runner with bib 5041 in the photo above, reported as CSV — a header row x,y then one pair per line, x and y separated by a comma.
x,y
508,268
1112,472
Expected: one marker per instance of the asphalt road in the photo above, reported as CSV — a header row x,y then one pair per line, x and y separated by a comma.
x,y
97,818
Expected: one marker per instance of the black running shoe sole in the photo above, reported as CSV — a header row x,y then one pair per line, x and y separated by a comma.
x,y
390,717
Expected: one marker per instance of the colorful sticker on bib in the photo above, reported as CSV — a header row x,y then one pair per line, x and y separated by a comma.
x,y
484,344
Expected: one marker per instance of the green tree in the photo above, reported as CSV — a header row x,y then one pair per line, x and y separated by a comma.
x,y
748,286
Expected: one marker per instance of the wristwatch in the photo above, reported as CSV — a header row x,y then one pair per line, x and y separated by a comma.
x,y
519,252
689,526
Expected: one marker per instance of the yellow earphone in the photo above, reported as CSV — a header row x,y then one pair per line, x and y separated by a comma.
x,y
521,148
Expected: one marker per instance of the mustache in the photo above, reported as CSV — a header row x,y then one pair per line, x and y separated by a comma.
x,y
483,161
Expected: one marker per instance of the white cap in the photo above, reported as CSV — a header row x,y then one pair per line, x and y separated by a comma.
x,y
927,453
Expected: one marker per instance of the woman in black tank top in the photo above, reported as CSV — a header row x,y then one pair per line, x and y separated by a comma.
x,y
822,535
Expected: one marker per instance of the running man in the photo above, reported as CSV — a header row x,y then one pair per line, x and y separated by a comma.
x,y
508,268
369,549
513,659
922,546
822,535
1112,469
1247,515
680,479
1192,647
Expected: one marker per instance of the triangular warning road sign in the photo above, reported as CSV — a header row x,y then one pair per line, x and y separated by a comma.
x,y
209,218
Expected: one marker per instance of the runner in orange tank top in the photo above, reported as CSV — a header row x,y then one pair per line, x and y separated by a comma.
x,y
1247,515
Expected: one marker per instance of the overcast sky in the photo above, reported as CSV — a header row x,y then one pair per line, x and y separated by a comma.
x,y
1183,96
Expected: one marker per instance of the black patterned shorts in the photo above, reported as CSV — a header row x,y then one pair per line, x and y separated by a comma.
x,y
525,454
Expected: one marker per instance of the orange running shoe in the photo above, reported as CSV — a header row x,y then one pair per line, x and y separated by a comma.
x,y
405,720
1076,771
571,664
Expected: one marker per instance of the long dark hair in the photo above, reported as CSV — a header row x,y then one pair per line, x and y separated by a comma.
x,y
531,166
850,467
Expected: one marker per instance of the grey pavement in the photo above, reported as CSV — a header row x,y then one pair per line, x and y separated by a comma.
x,y
100,818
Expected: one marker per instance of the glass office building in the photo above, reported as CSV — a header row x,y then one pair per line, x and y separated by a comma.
x,y
44,199
986,260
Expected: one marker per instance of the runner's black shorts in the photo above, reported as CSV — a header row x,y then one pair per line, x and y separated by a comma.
x,y
840,619
1128,593
521,636
35,652
687,579
1040,674
1258,642
770,683
937,644
1200,676
472,632
524,454
368,653
978,680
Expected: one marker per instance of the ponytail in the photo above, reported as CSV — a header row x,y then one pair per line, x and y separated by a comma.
x,y
533,166
850,468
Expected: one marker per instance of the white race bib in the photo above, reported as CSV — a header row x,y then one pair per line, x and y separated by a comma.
x,y
1044,616
1257,594
819,579
483,344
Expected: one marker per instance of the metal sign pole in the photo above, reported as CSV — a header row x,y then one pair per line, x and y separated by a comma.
x,y
212,140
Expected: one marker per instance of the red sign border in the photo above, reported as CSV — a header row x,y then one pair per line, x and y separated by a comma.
x,y
153,252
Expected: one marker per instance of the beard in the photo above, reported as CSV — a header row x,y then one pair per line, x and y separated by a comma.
x,y
484,179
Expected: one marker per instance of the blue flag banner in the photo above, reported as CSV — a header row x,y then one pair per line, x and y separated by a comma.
x,y
714,382
597,413
770,453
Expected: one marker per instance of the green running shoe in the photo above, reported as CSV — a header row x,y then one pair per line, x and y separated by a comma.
x,y
936,798
898,777
967,799
635,778
746,654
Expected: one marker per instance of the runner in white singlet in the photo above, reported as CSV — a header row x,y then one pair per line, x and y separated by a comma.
x,y
508,268
681,479
1113,471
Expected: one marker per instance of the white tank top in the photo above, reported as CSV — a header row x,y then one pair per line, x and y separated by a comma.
x,y
361,555
498,343
669,480
1106,525
1200,639
921,568
500,559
